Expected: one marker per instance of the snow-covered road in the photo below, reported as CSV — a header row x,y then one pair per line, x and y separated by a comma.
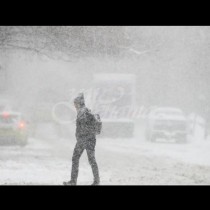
x,y
121,162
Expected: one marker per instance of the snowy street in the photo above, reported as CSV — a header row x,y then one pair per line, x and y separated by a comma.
x,y
121,162
143,91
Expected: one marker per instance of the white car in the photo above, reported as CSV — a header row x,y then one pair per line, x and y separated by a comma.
x,y
167,123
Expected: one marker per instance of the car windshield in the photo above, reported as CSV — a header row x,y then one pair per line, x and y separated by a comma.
x,y
9,119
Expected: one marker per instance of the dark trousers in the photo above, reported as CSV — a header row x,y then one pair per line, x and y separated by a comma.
x,y
89,146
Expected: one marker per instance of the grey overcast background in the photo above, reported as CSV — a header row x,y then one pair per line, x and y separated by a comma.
x,y
42,68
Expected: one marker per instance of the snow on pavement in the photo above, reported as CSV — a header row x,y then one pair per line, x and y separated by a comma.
x,y
121,162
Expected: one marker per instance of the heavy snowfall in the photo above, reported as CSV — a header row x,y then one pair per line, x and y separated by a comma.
x,y
149,84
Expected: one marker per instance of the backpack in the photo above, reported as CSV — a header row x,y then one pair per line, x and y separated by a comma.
x,y
92,122
98,124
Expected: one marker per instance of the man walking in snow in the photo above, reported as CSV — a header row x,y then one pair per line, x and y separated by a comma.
x,y
86,140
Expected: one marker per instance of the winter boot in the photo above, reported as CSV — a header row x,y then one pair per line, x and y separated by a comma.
x,y
70,183
96,182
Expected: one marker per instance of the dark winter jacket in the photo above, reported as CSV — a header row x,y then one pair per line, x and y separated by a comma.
x,y
85,125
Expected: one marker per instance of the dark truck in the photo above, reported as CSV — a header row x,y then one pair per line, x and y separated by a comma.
x,y
168,124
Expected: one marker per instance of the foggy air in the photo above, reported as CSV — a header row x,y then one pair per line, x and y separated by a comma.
x,y
146,87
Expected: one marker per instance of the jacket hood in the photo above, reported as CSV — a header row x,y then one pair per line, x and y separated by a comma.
x,y
80,99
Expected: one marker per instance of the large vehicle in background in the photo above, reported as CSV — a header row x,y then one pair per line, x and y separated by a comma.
x,y
13,128
167,123
114,97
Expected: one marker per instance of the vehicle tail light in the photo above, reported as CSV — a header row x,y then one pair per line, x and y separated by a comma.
x,y
5,114
21,125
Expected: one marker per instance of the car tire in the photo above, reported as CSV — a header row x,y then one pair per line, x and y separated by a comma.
x,y
23,142
147,136
153,139
181,141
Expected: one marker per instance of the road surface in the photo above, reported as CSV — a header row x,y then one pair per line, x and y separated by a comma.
x,y
121,162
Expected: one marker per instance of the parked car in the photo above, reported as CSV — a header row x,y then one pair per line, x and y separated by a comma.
x,y
167,123
13,128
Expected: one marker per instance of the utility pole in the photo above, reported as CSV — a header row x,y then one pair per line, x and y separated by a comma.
x,y
3,78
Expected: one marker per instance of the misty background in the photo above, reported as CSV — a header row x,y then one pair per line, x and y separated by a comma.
x,y
42,66
41,63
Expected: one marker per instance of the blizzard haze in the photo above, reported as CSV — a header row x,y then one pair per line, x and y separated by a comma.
x,y
125,73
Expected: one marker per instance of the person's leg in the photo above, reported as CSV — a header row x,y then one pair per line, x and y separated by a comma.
x,y
94,166
78,150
